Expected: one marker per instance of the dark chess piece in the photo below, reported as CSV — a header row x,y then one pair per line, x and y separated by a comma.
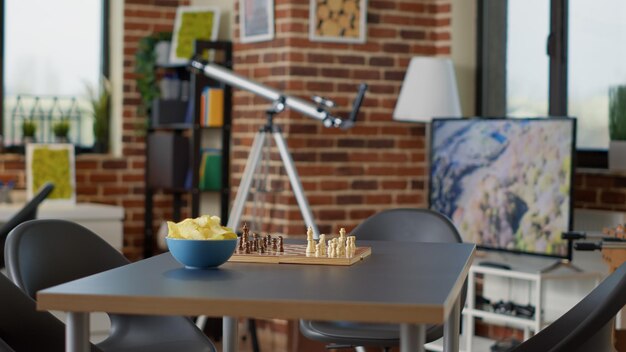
x,y
274,247
280,244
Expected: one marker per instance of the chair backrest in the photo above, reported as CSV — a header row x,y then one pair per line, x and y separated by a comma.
x,y
416,225
44,253
588,325
22,327
28,212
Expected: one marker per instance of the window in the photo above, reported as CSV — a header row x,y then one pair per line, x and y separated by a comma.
x,y
52,52
596,60
556,58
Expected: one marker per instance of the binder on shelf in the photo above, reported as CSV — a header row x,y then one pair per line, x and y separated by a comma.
x,y
210,170
212,107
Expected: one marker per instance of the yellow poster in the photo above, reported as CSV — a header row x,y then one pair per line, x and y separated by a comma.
x,y
51,163
192,23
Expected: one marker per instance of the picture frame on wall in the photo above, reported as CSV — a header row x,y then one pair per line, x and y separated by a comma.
x,y
338,21
257,20
54,163
192,23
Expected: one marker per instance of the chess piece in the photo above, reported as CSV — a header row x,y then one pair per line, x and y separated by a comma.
x,y
247,247
317,251
331,249
341,241
240,248
280,244
322,245
274,247
310,246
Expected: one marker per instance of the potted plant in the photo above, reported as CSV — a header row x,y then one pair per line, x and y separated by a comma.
x,y
617,127
29,127
61,130
145,68
100,110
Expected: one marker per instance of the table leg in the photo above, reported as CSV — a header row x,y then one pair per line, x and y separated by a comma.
x,y
451,328
230,339
77,332
412,337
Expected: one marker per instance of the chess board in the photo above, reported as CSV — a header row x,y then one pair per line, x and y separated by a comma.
x,y
296,254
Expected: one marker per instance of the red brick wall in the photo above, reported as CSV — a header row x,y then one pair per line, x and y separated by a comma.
x,y
346,175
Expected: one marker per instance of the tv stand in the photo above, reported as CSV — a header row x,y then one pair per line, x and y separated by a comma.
x,y
535,295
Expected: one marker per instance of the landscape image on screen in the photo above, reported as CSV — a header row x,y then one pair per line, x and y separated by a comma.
x,y
505,183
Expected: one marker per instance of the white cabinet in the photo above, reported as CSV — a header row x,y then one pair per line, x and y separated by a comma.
x,y
511,284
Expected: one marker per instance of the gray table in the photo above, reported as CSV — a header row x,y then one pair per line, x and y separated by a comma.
x,y
412,284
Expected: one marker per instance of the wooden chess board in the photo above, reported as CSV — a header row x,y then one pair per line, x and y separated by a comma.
x,y
296,254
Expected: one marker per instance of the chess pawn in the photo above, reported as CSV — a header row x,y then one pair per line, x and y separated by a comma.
x,y
318,252
353,245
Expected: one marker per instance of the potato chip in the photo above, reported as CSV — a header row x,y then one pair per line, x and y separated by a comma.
x,y
202,228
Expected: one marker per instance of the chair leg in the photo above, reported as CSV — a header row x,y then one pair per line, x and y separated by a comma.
x,y
253,335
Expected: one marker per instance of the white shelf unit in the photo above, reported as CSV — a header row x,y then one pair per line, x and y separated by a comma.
x,y
535,280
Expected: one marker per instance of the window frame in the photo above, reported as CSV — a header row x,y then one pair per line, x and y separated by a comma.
x,y
557,49
104,69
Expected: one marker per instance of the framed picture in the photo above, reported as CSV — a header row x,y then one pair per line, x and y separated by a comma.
x,y
191,23
51,163
341,21
257,20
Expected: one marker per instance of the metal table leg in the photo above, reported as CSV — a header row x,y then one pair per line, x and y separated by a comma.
x,y
77,332
451,328
230,339
412,337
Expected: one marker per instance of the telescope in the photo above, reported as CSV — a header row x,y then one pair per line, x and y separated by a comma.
x,y
318,111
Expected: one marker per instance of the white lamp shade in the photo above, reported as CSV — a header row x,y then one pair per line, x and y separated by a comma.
x,y
429,90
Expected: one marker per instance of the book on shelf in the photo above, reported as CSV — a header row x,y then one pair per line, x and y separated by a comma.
x,y
210,169
212,107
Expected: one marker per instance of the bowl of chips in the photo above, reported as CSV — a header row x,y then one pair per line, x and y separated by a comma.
x,y
201,243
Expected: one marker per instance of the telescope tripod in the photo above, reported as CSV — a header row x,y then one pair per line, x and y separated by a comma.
x,y
253,161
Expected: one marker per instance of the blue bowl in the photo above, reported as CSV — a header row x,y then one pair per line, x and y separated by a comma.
x,y
201,254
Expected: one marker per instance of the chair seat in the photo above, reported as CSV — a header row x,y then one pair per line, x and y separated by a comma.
x,y
360,334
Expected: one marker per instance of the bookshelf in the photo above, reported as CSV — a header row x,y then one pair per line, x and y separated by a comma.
x,y
174,150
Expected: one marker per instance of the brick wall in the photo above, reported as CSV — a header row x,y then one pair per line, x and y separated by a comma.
x,y
346,175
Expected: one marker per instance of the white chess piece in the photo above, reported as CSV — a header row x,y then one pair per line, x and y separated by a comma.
x,y
310,246
342,242
322,245
331,249
318,252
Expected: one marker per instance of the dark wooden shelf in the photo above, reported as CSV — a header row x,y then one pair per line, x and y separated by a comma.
x,y
183,136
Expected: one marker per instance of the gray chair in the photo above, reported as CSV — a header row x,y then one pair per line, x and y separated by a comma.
x,y
410,225
28,212
23,328
588,326
44,253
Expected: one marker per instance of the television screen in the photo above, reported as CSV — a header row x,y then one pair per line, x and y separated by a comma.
x,y
505,183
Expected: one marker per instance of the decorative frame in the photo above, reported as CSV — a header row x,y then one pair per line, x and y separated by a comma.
x,y
256,19
192,23
338,21
51,163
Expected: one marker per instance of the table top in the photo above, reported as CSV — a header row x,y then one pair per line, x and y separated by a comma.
x,y
400,282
